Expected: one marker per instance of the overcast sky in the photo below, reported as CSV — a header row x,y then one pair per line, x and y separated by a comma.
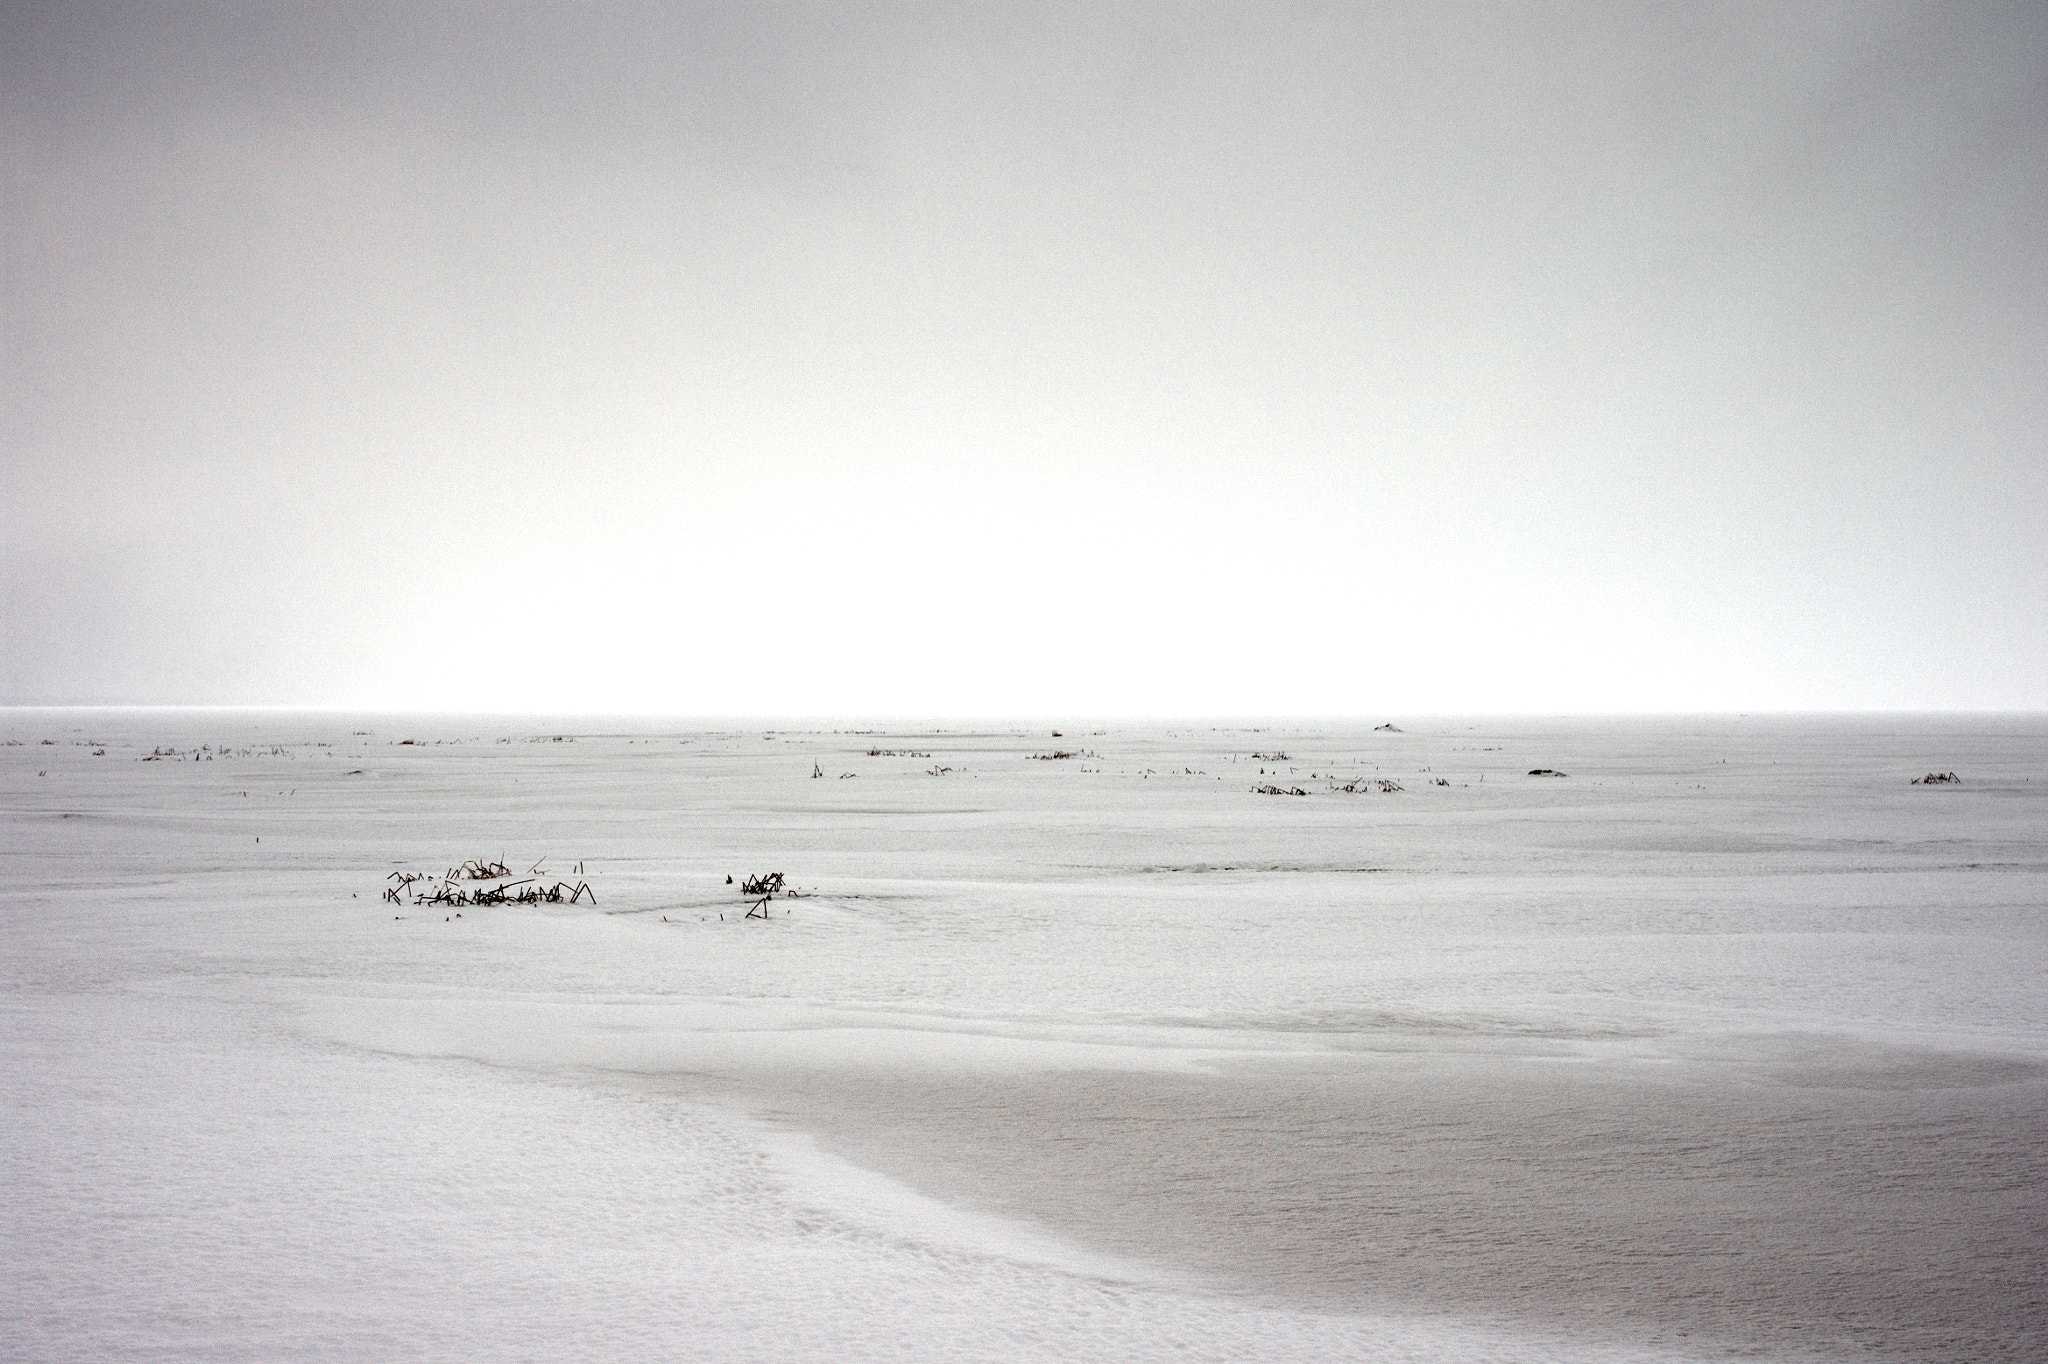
x,y
1012,358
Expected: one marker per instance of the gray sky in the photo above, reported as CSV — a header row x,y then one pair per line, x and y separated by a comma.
x,y
996,358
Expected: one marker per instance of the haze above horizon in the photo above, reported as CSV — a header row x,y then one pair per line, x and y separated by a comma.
x,y
1125,359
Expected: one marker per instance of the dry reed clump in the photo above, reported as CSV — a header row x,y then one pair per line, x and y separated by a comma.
x,y
896,753
767,885
424,888
1278,791
1361,784
1937,779
1273,757
1547,772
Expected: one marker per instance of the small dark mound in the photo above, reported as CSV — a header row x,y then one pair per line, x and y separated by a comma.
x,y
1547,772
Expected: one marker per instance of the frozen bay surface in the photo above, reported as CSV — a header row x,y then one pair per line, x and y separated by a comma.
x,y
1730,1042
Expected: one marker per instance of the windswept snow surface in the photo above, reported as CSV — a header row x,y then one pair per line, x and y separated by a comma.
x,y
1728,1043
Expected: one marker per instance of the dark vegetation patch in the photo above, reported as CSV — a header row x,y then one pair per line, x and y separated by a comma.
x,y
448,889
767,885
1937,779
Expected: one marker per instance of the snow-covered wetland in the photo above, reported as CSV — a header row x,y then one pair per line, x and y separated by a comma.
x,y
1730,1041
